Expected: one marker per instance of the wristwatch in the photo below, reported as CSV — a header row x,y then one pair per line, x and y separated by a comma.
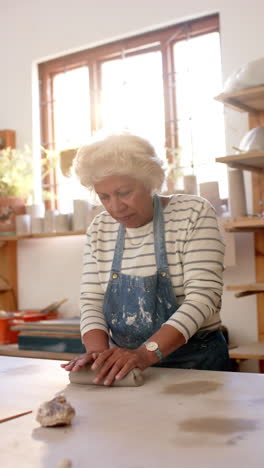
x,y
153,346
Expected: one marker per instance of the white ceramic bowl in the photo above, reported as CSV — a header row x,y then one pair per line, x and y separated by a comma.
x,y
253,140
247,76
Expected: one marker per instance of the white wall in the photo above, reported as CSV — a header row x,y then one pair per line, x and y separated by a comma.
x,y
32,31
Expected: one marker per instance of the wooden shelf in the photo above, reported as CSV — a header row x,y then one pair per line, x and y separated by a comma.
x,y
244,100
12,350
246,224
251,161
39,236
246,289
4,286
248,351
8,264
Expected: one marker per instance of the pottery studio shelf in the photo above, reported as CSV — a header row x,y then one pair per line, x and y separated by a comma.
x,y
245,100
39,236
250,161
246,289
13,350
8,264
250,100
253,351
245,224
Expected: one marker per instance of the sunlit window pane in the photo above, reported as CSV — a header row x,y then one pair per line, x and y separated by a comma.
x,y
200,119
132,96
72,126
72,122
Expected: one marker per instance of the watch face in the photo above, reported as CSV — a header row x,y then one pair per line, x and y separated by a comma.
x,y
152,346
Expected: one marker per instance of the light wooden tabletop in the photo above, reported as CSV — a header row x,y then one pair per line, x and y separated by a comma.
x,y
178,418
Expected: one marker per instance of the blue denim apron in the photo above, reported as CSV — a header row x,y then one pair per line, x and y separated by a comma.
x,y
135,307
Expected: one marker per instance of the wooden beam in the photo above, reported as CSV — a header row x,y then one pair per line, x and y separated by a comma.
x,y
8,138
8,271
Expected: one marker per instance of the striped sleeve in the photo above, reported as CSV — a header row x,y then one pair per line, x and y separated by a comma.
x,y
202,260
91,294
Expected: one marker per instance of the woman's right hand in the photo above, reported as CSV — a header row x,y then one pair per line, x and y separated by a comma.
x,y
77,363
96,341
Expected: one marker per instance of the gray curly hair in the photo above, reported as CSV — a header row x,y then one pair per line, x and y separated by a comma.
x,y
123,154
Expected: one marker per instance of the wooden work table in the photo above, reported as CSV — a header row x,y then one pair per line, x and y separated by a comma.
x,y
182,418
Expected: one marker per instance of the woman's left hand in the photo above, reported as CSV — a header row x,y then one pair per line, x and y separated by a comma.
x,y
115,363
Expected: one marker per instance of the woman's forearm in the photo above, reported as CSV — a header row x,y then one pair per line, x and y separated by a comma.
x,y
168,338
95,341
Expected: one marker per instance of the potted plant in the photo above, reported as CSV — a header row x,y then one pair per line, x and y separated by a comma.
x,y
17,182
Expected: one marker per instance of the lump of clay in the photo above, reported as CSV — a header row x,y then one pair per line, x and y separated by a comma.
x,y
86,376
56,412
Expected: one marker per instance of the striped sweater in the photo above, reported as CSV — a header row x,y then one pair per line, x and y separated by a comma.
x,y
195,253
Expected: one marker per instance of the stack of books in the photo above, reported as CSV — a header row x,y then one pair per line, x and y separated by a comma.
x,y
59,336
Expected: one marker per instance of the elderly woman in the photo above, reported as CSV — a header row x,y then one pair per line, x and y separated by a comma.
x,y
152,270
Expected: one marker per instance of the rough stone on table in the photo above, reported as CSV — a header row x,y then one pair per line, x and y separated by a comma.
x,y
56,412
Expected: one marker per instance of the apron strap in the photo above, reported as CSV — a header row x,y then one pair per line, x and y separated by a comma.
x,y
119,247
159,235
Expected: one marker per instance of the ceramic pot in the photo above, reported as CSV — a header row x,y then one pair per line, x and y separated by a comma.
x,y
237,194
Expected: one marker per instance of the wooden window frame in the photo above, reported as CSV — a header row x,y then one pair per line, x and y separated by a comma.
x,y
161,39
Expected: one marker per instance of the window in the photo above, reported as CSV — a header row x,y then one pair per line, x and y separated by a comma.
x,y
160,85
132,95
200,121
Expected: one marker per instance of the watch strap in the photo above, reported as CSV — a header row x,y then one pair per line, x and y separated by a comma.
x,y
158,354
